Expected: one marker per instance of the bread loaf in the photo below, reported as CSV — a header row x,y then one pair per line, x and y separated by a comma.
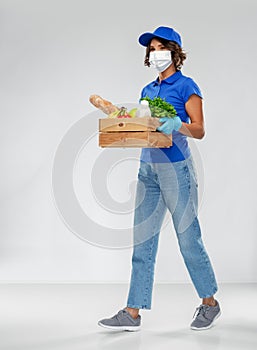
x,y
104,105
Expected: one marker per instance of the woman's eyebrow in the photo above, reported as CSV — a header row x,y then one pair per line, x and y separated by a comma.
x,y
152,47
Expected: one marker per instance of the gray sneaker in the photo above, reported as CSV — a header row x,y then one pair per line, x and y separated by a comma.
x,y
204,316
122,321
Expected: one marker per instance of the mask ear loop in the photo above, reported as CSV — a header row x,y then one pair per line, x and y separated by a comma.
x,y
152,58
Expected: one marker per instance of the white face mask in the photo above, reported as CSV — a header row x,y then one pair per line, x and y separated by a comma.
x,y
160,60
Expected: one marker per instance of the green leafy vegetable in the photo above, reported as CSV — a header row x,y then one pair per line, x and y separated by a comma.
x,y
160,108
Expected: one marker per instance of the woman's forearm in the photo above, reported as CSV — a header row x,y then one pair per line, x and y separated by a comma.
x,y
194,130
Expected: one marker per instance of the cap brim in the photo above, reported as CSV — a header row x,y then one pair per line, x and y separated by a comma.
x,y
145,38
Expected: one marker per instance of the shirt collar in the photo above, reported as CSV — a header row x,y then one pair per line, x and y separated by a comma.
x,y
170,80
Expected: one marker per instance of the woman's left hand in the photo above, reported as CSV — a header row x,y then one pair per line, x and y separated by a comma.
x,y
169,124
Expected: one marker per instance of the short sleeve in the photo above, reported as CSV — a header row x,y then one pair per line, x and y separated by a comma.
x,y
190,88
142,93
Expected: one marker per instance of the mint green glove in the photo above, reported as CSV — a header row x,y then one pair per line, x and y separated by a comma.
x,y
169,124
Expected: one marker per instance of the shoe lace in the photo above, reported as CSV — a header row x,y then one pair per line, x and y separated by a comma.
x,y
202,310
120,314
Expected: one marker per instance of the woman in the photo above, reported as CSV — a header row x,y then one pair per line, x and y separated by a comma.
x,y
167,181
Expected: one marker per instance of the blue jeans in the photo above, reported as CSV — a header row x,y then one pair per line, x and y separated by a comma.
x,y
171,186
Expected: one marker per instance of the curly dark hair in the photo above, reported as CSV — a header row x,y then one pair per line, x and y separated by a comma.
x,y
177,53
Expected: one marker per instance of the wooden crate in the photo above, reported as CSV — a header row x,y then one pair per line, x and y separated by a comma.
x,y
134,132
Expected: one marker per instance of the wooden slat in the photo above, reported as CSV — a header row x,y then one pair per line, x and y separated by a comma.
x,y
138,139
128,124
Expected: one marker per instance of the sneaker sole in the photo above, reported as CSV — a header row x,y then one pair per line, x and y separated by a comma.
x,y
207,327
121,328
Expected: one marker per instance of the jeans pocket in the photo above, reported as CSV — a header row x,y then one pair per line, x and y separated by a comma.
x,y
143,170
194,174
192,171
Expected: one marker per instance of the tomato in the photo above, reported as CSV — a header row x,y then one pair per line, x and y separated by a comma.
x,y
124,116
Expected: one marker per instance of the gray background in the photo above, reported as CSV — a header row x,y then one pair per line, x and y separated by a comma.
x,y
54,54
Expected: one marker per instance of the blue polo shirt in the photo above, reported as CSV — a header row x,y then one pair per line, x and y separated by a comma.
x,y
176,90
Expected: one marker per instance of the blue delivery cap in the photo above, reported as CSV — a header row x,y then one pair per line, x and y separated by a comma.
x,y
160,32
